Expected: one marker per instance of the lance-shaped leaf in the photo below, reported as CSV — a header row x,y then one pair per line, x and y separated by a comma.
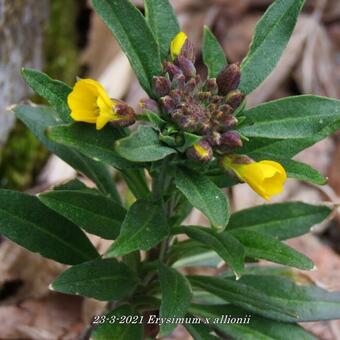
x,y
163,22
27,222
271,36
54,91
250,327
134,36
102,279
113,329
99,145
200,331
274,297
261,246
213,53
280,220
38,119
144,226
204,195
291,117
91,211
142,145
176,297
224,244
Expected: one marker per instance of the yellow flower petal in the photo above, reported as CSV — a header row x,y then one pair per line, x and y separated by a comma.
x,y
266,178
177,44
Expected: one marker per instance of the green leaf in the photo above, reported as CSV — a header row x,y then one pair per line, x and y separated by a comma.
x,y
272,34
189,140
134,37
101,279
176,297
99,145
213,53
258,328
142,145
302,172
204,195
145,225
152,117
291,117
163,22
274,297
266,148
280,220
27,222
224,244
38,119
91,211
261,246
114,326
200,331
54,91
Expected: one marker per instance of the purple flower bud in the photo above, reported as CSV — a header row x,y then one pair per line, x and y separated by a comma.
x,y
211,86
200,151
149,104
214,138
227,121
204,96
187,67
231,140
178,82
125,115
172,69
188,50
161,86
168,104
229,78
190,86
235,98
226,109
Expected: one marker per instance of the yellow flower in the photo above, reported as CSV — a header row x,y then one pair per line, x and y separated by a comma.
x,y
266,178
177,43
90,103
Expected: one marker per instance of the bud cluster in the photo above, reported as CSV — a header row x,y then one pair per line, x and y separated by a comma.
x,y
203,107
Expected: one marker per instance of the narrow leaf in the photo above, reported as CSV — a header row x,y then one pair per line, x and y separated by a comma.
x,y
114,326
91,211
213,53
142,146
261,246
134,37
291,117
27,222
176,297
101,279
163,22
204,195
54,91
281,220
271,36
38,119
145,225
224,244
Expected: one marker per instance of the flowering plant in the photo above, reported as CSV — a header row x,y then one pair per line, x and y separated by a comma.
x,y
195,136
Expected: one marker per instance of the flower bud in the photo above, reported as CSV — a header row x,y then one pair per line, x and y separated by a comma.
x,y
168,104
230,140
200,151
211,86
190,86
227,121
204,96
125,115
214,138
172,69
187,67
161,86
229,78
188,50
178,82
235,98
149,104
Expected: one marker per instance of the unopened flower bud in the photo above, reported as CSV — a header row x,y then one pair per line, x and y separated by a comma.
x,y
161,86
168,104
125,115
204,96
187,67
230,140
190,86
227,121
172,69
178,82
214,138
201,151
235,98
229,78
211,86
188,50
149,104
